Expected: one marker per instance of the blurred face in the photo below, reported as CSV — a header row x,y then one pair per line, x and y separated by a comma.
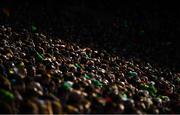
x,y
32,71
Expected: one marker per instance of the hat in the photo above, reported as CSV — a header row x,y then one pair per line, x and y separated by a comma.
x,y
67,86
96,83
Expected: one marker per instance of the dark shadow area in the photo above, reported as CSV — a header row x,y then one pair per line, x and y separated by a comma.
x,y
148,29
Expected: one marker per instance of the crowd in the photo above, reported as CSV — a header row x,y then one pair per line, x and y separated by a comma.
x,y
77,59
40,73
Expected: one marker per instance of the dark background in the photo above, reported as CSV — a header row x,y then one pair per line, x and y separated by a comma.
x,y
152,32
